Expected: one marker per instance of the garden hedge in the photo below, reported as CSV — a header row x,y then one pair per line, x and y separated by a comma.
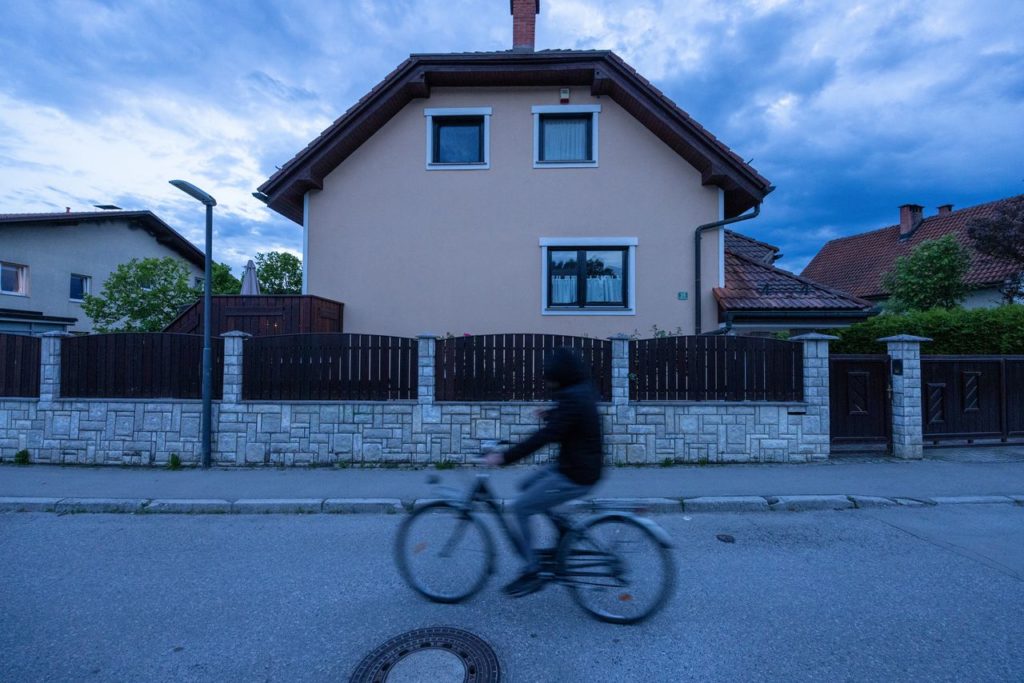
x,y
956,331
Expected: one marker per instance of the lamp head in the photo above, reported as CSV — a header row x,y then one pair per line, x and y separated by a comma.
x,y
194,192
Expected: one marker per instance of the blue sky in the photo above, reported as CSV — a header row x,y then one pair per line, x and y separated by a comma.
x,y
849,108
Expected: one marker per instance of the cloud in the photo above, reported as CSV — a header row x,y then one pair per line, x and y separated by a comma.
x,y
849,108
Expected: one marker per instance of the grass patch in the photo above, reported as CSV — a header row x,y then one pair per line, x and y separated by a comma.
x,y
444,465
174,462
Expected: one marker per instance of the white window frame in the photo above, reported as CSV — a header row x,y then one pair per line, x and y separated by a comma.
x,y
86,287
631,242
485,112
22,278
593,109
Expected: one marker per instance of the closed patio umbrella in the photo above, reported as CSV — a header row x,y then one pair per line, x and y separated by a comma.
x,y
250,283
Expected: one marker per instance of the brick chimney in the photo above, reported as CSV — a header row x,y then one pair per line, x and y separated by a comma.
x,y
524,23
945,209
910,218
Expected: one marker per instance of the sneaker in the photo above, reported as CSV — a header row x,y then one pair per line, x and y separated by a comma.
x,y
529,582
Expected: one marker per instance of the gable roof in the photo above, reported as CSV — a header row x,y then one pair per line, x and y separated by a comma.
x,y
603,71
161,232
857,264
752,285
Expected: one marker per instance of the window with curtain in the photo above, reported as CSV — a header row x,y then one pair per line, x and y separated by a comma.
x,y
566,138
592,277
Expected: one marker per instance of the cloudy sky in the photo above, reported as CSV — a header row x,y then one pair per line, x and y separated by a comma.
x,y
849,107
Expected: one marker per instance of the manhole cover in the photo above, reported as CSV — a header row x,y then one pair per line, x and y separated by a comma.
x,y
438,654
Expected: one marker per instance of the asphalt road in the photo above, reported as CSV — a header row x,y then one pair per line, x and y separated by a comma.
x,y
865,595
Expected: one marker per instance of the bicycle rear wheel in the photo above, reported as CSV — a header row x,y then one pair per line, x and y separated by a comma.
x,y
617,569
444,553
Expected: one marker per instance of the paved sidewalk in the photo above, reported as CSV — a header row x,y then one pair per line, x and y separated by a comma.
x,y
945,475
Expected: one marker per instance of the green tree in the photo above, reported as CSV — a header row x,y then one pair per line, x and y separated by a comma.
x,y
223,281
279,273
931,276
1001,236
143,295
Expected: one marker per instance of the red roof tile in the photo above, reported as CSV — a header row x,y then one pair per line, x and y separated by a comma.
x,y
858,263
751,285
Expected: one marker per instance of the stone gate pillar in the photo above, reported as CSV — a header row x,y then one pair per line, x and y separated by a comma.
x,y
907,421
817,436
426,372
620,369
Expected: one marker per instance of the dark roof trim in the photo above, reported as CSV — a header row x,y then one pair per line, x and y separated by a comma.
x,y
147,220
34,316
603,71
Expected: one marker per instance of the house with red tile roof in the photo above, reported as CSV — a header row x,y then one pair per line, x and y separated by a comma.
x,y
554,191
857,264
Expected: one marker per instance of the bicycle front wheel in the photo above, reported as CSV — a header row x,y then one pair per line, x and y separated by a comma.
x,y
444,552
617,569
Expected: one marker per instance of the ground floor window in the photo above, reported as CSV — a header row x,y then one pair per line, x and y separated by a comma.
x,y
588,275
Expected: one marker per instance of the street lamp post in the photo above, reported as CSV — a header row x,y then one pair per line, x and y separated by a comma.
x,y
194,192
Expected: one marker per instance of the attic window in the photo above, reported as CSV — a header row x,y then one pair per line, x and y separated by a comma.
x,y
458,139
565,136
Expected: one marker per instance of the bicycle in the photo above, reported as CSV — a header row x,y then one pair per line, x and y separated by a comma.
x,y
617,565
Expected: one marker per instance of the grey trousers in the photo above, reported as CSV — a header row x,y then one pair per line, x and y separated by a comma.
x,y
541,492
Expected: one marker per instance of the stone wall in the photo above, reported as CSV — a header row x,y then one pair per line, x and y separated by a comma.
x,y
104,431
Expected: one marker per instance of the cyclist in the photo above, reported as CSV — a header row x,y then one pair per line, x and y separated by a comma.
x,y
576,426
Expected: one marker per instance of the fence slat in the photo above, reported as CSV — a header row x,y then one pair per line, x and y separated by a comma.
x,y
19,365
715,368
138,365
330,367
510,367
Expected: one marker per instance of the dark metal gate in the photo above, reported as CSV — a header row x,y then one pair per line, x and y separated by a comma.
x,y
860,399
972,397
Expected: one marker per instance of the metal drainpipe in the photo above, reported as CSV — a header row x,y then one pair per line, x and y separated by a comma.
x,y
697,260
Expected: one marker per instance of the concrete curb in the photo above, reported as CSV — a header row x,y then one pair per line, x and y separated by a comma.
x,y
76,505
274,506
202,506
343,506
726,504
396,506
973,500
13,504
805,503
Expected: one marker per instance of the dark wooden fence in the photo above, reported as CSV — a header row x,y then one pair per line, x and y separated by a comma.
x,y
510,367
329,367
137,365
972,397
19,365
715,368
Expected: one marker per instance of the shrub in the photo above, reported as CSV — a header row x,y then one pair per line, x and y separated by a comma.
x,y
21,457
955,331
174,462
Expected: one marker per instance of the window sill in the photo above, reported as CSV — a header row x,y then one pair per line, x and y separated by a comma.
x,y
565,164
588,311
14,294
458,167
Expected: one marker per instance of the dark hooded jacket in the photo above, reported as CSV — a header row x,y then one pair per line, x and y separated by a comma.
x,y
573,423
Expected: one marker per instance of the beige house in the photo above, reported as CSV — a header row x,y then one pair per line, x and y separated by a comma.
x,y
51,260
516,191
